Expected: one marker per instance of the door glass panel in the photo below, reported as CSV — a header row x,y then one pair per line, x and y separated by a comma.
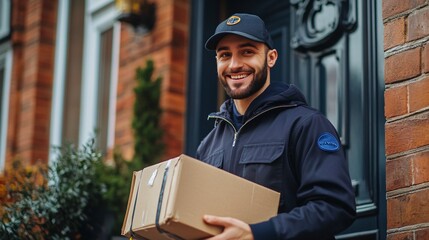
x,y
331,90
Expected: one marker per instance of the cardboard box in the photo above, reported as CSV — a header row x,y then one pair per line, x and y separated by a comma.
x,y
178,192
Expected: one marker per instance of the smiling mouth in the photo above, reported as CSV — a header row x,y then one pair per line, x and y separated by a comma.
x,y
238,76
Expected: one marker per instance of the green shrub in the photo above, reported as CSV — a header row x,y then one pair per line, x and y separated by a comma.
x,y
117,179
148,145
62,205
71,198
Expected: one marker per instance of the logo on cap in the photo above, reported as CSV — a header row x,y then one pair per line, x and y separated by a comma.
x,y
233,20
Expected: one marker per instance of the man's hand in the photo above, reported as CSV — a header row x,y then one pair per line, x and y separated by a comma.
x,y
234,229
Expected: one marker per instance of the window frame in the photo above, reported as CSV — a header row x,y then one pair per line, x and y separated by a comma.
x,y
98,17
97,21
59,76
6,58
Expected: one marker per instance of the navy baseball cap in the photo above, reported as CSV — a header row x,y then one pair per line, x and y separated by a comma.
x,y
242,24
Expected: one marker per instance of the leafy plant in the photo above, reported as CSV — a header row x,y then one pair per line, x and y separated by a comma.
x,y
117,179
148,145
55,202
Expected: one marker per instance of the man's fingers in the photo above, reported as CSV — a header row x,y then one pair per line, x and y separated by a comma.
x,y
232,228
214,220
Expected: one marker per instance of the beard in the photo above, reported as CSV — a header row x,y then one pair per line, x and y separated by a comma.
x,y
255,85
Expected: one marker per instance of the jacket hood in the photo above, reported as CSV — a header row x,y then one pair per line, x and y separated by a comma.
x,y
276,94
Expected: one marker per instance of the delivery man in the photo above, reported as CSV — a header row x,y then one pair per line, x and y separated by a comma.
x,y
265,132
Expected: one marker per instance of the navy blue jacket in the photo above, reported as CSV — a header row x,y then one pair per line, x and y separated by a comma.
x,y
293,149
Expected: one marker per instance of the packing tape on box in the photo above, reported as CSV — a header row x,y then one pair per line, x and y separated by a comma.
x,y
132,233
158,210
159,206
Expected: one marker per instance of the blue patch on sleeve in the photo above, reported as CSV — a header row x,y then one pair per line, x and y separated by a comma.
x,y
327,142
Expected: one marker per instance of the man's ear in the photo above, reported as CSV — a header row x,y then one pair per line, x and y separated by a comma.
x,y
272,56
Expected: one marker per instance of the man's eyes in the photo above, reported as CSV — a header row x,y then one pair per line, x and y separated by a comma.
x,y
225,55
247,52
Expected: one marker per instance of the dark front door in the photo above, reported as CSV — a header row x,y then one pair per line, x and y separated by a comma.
x,y
336,62
330,49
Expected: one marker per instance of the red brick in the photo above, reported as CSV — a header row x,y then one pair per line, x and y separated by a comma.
x,y
398,173
173,126
419,94
177,83
422,234
407,134
181,14
173,102
409,62
34,81
162,37
425,59
406,210
180,38
396,100
48,16
394,33
164,15
34,11
421,167
18,17
393,7
401,236
418,26
162,59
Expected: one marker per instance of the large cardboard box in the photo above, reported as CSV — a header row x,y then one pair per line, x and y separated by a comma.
x,y
169,199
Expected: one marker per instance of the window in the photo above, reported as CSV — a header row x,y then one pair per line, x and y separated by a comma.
x,y
100,63
66,104
84,96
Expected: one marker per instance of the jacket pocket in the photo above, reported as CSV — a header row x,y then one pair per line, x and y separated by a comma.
x,y
261,153
215,159
263,164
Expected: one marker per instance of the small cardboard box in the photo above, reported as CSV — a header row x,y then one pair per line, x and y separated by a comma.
x,y
168,200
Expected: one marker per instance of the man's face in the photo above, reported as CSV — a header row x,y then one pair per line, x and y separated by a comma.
x,y
242,66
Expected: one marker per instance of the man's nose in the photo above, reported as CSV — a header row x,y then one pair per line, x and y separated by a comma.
x,y
236,62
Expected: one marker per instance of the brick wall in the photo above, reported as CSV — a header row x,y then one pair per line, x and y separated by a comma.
x,y
33,38
33,41
406,45
167,46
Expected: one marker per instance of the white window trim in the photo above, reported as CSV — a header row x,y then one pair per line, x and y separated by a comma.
x,y
97,20
114,84
95,24
94,6
6,56
59,77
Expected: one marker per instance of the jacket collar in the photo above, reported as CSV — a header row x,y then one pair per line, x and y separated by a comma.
x,y
276,94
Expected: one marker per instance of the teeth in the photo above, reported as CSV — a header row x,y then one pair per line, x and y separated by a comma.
x,y
238,76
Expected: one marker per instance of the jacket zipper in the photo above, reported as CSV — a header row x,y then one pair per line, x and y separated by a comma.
x,y
230,123
250,119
